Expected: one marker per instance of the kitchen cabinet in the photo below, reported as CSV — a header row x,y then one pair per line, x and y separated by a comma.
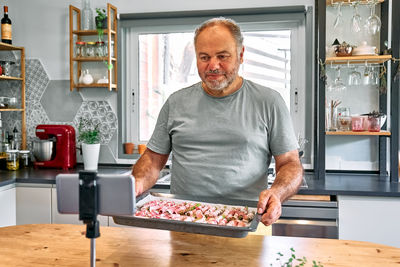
x,y
387,102
69,218
21,80
79,63
33,203
7,206
373,219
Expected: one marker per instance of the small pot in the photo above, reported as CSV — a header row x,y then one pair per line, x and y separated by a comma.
x,y
343,50
99,22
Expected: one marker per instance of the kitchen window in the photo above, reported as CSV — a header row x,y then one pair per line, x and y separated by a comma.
x,y
158,58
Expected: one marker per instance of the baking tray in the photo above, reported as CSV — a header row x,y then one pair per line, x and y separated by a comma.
x,y
191,227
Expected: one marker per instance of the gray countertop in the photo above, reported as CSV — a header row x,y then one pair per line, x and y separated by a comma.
x,y
333,184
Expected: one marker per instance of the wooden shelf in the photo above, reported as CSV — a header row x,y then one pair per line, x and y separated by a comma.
x,y
91,32
80,85
110,34
83,59
8,47
359,59
3,157
3,77
12,109
384,133
348,2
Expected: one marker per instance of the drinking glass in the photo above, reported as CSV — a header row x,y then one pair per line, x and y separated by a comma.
x,y
338,85
374,76
354,77
338,19
373,22
356,19
367,76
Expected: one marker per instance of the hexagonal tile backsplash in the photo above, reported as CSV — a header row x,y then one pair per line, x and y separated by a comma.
x,y
37,80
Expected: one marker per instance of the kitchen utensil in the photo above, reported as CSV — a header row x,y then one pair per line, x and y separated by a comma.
x,y
364,49
63,146
191,227
43,149
343,50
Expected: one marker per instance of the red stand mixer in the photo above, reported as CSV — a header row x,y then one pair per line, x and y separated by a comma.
x,y
55,147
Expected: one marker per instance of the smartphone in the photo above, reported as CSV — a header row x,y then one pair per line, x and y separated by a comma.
x,y
116,194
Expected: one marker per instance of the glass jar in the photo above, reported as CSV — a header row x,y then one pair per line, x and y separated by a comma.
x,y
24,158
90,49
12,160
100,49
80,49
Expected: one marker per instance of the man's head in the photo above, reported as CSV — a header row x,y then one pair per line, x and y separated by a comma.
x,y
219,52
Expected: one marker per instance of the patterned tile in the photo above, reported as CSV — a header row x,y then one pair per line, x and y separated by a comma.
x,y
35,115
36,80
100,112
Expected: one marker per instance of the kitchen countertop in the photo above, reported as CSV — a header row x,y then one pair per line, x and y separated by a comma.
x,y
66,245
333,184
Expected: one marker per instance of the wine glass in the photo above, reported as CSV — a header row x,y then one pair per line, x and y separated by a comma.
x,y
373,22
338,85
338,19
354,77
356,19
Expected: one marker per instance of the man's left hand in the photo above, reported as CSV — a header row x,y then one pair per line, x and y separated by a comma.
x,y
270,206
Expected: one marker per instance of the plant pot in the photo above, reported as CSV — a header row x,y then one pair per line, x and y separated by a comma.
x,y
90,154
129,148
101,24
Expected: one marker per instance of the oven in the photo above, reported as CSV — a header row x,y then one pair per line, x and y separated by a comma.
x,y
308,218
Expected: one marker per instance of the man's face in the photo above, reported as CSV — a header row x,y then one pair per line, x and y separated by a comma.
x,y
217,59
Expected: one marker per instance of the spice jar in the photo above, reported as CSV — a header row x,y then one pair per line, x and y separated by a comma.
x,y
80,49
12,160
90,49
24,158
100,49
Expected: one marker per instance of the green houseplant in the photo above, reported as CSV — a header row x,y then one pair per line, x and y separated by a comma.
x,y
89,136
101,24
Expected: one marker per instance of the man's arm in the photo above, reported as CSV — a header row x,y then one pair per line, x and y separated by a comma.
x,y
289,175
147,170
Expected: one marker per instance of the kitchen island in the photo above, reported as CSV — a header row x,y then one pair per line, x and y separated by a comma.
x,y
66,245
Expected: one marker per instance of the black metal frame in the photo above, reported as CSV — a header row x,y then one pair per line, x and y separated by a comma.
x,y
319,118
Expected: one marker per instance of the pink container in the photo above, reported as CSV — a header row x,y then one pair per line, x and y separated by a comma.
x,y
374,124
358,123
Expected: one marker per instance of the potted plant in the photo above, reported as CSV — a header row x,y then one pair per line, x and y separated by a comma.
x,y
101,24
89,136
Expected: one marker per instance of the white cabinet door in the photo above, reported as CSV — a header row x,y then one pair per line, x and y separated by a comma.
x,y
70,218
373,219
33,203
7,205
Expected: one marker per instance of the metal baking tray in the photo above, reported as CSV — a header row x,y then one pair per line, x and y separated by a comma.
x,y
191,227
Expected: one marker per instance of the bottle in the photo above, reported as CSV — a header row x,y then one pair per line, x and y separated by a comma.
x,y
6,33
87,16
16,139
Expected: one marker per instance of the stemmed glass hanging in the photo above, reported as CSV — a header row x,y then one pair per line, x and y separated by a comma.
x,y
338,85
354,77
373,22
338,19
356,19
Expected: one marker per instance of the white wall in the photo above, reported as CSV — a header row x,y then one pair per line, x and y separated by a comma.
x,y
42,26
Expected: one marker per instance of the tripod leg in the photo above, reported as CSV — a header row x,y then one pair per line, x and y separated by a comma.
x,y
92,252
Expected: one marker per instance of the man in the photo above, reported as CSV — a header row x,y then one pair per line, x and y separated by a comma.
x,y
224,131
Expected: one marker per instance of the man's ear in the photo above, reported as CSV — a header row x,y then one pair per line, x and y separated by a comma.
x,y
241,55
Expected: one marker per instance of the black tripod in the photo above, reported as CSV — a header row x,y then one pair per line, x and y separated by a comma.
x,y
88,209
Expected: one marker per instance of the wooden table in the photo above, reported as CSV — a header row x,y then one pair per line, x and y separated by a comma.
x,y
66,245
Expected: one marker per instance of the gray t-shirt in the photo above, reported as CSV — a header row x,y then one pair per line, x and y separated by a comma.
x,y
222,146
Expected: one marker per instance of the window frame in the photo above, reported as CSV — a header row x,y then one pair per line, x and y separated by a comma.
x,y
185,22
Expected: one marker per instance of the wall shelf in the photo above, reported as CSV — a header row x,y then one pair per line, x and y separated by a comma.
x,y
3,77
76,34
349,2
8,47
359,59
381,133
